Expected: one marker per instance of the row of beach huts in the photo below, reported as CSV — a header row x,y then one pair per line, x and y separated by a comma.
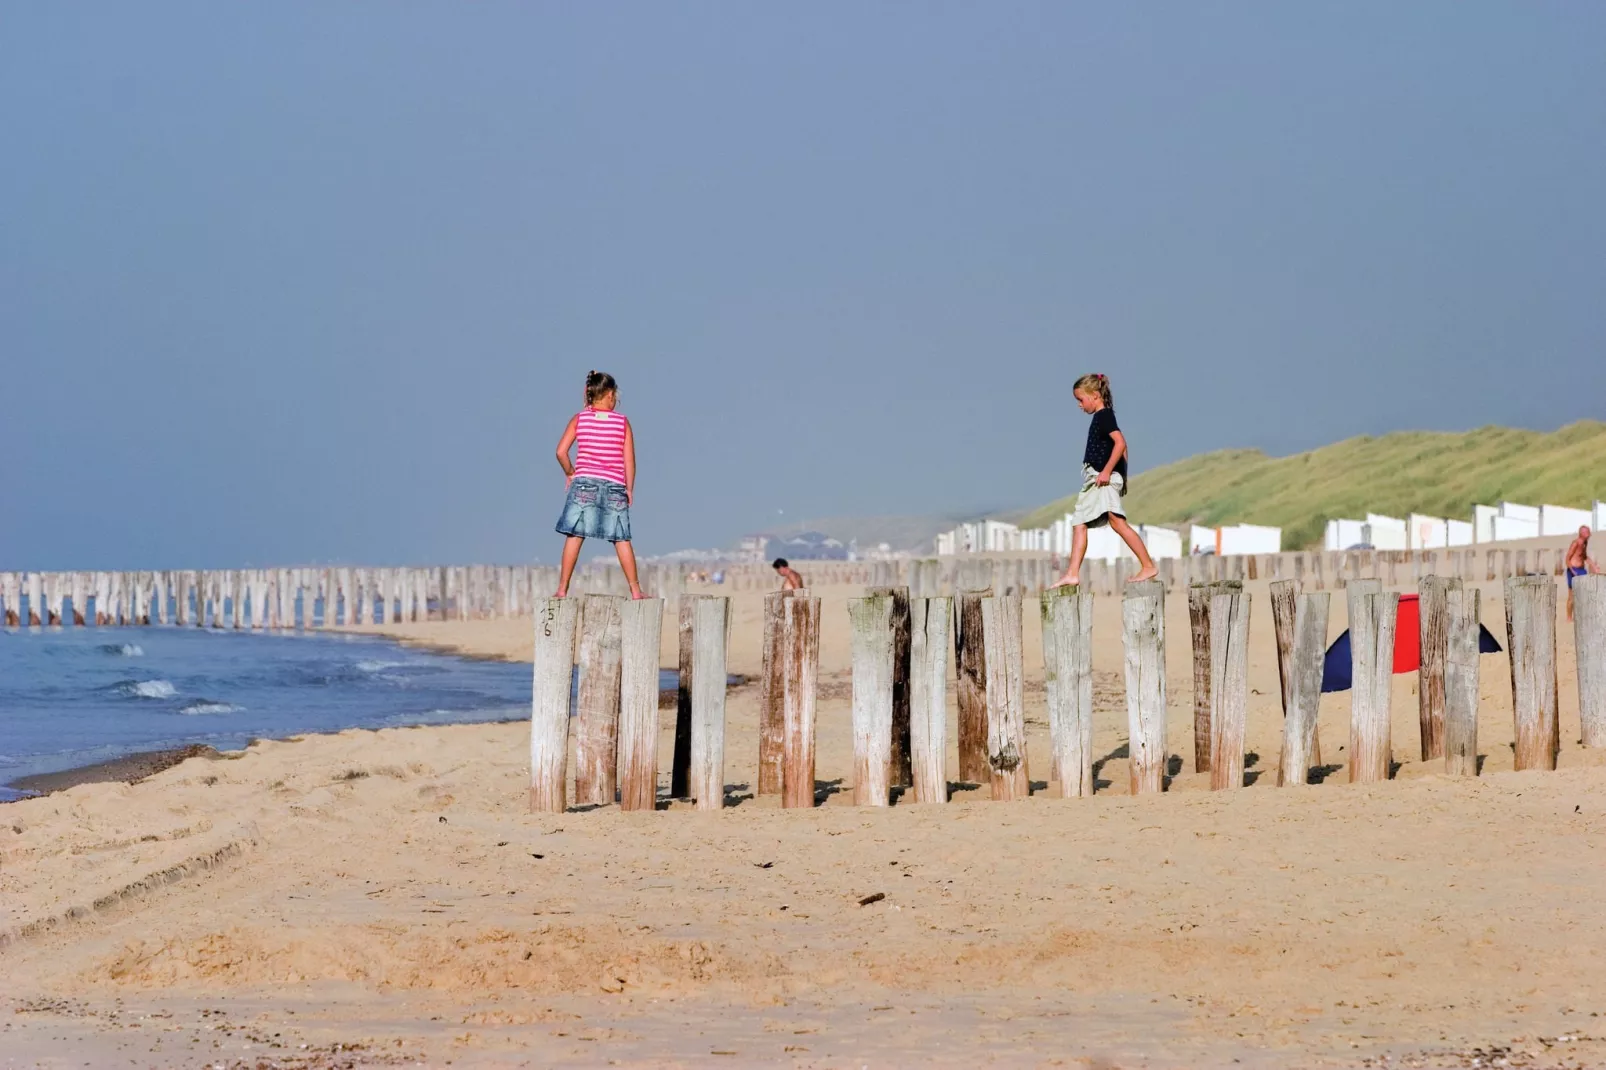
x,y
1505,522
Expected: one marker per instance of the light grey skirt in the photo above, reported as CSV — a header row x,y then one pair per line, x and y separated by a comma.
x,y
1095,504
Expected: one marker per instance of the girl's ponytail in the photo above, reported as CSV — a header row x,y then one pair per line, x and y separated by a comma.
x,y
1096,383
598,384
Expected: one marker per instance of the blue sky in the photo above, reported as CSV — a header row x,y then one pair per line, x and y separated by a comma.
x,y
310,282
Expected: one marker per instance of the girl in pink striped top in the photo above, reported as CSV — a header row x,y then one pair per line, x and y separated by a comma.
x,y
602,480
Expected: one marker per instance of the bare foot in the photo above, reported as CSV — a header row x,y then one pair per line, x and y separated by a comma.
x,y
636,596
1067,580
561,594
1143,574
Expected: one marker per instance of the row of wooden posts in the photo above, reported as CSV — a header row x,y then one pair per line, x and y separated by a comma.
x,y
324,595
305,597
900,671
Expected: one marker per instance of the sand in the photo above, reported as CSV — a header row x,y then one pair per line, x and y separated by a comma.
x,y
384,898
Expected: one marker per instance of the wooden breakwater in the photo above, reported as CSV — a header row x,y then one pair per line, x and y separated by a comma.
x,y
324,596
898,717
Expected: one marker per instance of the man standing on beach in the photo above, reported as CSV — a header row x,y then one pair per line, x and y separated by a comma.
x,y
791,579
1579,563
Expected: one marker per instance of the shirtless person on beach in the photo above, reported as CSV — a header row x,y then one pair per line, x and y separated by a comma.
x,y
1579,563
791,578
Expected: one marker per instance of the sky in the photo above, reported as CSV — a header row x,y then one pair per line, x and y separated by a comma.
x,y
313,282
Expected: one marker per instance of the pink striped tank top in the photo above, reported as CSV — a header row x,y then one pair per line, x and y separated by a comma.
x,y
599,444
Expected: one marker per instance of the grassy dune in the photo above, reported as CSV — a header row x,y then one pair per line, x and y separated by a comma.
x,y
1437,473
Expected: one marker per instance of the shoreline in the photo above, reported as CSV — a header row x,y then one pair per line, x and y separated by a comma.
x,y
127,769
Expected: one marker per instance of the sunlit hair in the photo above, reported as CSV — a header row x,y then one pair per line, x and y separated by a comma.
x,y
597,385
1096,383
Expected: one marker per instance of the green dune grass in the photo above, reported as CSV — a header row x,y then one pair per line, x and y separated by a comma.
x,y
1430,472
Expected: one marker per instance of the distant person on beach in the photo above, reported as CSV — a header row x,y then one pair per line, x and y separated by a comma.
x,y
602,480
791,579
1579,563
1103,482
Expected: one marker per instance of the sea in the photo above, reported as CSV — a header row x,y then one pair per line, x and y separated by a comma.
x,y
76,696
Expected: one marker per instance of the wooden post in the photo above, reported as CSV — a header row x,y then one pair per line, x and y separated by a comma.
x,y
1199,602
640,629
596,753
1006,711
1531,643
1304,681
1283,611
1199,595
970,664
549,706
1229,687
873,667
901,769
1432,592
1068,675
1461,681
772,695
680,763
1143,633
1371,638
800,671
710,627
36,599
1589,641
929,620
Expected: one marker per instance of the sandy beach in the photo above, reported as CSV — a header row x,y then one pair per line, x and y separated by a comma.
x,y
385,898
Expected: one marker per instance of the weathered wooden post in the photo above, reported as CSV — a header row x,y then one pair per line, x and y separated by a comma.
x,y
640,628
1199,602
772,695
800,671
929,620
549,706
1143,632
1283,611
597,704
1461,681
873,667
1434,637
36,599
1006,712
1229,687
1371,637
1068,676
901,770
1199,595
1307,649
1589,641
1531,642
970,666
80,598
680,763
710,627
10,590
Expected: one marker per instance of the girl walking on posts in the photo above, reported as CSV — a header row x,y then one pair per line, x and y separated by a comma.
x,y
1103,482
602,480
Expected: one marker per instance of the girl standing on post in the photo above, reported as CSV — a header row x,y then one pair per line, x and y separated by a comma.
x,y
1103,482
602,480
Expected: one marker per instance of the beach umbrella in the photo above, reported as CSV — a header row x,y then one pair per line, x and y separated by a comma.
x,y
1407,647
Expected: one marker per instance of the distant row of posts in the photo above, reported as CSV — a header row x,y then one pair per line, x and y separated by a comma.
x,y
309,596
900,646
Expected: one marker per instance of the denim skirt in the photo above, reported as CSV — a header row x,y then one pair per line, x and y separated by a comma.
x,y
596,509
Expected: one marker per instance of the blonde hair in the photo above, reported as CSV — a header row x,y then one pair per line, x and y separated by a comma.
x,y
1096,383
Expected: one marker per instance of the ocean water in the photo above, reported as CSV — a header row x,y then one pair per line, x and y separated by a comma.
x,y
74,696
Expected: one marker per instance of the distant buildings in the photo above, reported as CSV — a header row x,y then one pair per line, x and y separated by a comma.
x,y
1489,523
996,536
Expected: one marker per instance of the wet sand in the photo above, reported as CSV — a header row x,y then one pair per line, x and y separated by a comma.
x,y
129,769
389,890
